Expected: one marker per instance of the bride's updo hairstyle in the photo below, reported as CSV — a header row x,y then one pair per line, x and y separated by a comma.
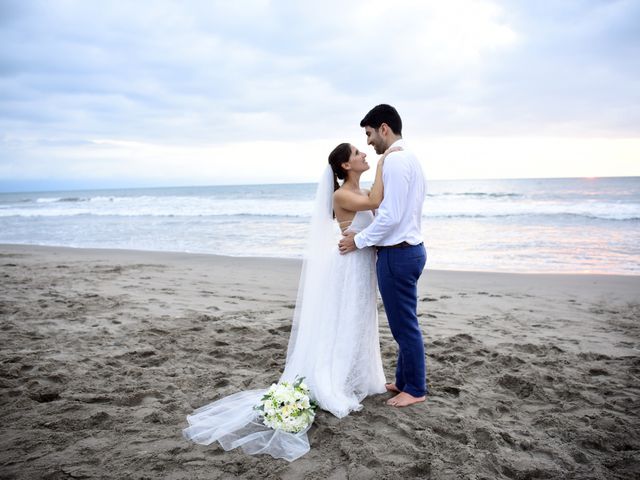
x,y
337,157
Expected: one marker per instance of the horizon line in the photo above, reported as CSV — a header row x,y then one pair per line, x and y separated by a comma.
x,y
143,187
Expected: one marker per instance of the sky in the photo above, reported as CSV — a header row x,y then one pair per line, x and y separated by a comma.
x,y
161,93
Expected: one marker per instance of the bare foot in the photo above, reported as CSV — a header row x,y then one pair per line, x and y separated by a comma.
x,y
391,387
403,399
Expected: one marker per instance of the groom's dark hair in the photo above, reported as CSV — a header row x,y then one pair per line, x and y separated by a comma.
x,y
383,114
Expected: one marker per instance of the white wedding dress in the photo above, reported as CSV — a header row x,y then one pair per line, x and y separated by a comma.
x,y
339,354
333,344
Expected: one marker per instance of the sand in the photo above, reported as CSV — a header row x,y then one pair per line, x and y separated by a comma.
x,y
104,353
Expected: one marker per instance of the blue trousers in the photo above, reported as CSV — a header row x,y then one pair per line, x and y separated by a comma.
x,y
398,272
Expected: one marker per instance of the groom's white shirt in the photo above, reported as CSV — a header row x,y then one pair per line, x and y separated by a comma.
x,y
399,215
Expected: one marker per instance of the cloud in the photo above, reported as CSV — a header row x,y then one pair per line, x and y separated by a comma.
x,y
194,63
574,72
199,74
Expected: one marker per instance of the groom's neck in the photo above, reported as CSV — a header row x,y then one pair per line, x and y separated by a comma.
x,y
393,138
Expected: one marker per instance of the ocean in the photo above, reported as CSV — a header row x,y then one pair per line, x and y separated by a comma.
x,y
569,225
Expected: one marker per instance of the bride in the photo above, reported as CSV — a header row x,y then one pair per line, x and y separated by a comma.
x,y
334,336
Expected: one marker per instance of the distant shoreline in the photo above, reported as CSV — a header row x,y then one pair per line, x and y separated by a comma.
x,y
71,188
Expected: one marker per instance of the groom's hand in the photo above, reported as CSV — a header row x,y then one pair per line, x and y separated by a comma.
x,y
347,244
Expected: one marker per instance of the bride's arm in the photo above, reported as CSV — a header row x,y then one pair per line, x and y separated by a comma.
x,y
354,202
351,201
377,189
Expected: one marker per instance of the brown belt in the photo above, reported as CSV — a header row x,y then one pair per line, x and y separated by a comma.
x,y
397,245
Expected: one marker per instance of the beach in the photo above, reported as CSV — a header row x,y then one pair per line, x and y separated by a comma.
x,y
105,352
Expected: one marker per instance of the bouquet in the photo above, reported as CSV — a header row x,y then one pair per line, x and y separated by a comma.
x,y
287,406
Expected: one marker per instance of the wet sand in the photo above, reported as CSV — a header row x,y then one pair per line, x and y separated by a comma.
x,y
104,353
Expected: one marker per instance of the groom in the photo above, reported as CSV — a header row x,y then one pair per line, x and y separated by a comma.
x,y
397,236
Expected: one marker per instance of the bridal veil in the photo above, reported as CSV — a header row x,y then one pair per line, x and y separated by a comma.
x,y
233,421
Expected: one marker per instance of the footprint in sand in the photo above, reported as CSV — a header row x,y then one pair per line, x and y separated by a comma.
x,y
451,391
279,330
598,372
221,383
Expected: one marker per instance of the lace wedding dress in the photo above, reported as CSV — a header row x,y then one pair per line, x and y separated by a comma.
x,y
333,344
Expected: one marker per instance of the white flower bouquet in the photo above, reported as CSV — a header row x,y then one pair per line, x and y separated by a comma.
x,y
287,406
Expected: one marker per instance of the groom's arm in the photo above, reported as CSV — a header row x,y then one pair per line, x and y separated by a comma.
x,y
396,192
